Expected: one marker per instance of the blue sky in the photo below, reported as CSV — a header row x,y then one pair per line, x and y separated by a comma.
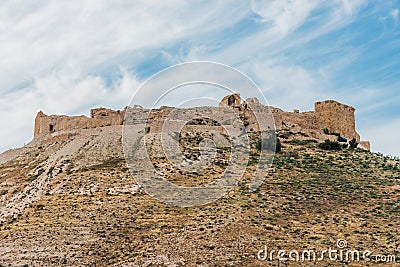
x,y
67,57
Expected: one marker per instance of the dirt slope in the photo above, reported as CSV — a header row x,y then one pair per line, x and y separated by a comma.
x,y
70,200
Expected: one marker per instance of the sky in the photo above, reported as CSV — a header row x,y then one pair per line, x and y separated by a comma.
x,y
65,57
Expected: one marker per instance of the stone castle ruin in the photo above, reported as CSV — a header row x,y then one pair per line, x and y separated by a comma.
x,y
337,118
329,115
99,117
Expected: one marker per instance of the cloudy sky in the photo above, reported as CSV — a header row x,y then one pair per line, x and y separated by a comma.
x,y
64,57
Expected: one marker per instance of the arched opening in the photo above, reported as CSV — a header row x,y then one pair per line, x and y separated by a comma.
x,y
231,100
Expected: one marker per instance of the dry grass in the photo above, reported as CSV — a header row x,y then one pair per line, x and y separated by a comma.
x,y
310,199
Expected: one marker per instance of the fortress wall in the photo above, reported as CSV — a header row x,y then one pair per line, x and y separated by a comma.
x,y
48,124
365,145
45,124
156,120
283,119
336,117
230,100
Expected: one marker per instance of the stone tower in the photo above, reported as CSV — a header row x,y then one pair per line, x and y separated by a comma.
x,y
337,118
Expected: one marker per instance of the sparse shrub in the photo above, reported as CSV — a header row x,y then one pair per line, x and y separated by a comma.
x,y
303,134
33,177
285,135
329,145
267,144
109,163
302,142
51,169
278,146
353,143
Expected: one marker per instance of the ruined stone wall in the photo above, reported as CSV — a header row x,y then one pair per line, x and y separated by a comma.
x,y
101,113
157,121
255,116
365,145
337,118
231,100
100,117
334,116
284,120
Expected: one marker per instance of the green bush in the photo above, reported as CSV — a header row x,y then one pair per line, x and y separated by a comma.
x,y
302,142
267,144
278,146
329,145
32,177
353,143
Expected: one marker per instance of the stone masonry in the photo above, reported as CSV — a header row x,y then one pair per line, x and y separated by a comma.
x,y
99,117
337,118
334,116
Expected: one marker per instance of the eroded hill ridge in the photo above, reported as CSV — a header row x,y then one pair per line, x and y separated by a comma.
x,y
328,117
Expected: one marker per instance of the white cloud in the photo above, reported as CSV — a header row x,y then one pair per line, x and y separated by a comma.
x,y
36,37
288,86
281,31
287,15
53,53
351,6
66,91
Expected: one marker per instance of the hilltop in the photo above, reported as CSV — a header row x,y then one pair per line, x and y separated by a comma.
x,y
68,198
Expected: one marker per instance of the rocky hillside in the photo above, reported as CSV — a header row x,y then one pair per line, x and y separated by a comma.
x,y
70,200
